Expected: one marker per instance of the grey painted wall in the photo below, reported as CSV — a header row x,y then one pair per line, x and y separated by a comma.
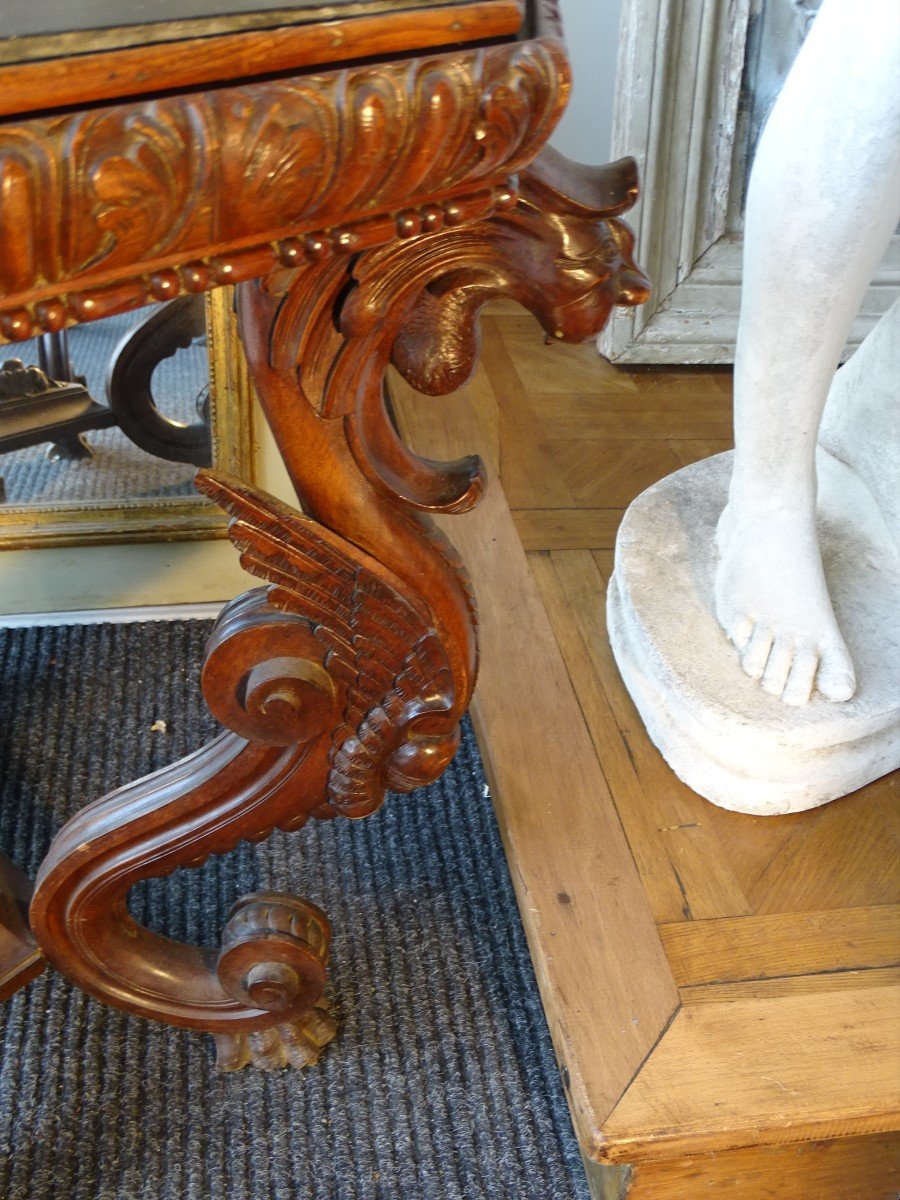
x,y
592,35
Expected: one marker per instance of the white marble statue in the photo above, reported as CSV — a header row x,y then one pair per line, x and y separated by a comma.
x,y
823,201
801,569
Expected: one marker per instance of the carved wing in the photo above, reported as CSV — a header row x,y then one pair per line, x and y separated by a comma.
x,y
380,642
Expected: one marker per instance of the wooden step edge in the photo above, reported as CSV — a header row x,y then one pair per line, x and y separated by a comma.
x,y
670,1146
605,982
853,1168
763,1070
19,974
723,950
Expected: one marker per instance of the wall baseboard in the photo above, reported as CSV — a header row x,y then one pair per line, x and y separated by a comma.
x,y
103,616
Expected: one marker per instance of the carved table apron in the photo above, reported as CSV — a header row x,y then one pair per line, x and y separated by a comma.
x,y
367,196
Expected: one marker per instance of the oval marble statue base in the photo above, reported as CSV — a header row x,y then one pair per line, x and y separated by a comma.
x,y
719,731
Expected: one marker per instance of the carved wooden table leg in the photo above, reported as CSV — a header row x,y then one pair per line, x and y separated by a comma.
x,y
20,959
349,675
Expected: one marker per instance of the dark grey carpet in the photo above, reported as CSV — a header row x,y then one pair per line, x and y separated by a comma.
x,y
442,1083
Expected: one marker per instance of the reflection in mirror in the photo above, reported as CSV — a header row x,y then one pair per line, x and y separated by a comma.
x,y
776,31
102,428
84,425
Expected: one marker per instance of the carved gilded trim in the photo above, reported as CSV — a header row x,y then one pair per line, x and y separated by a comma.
x,y
108,209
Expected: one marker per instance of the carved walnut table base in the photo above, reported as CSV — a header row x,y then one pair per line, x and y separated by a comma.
x,y
367,214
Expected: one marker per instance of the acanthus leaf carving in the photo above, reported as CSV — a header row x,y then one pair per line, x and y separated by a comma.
x,y
130,173
142,188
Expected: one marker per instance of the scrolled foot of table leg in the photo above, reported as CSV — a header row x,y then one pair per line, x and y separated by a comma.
x,y
273,957
298,1043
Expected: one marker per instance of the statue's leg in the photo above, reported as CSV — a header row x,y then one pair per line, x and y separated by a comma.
x,y
861,423
350,674
821,206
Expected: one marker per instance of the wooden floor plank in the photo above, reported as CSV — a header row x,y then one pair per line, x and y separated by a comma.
x,y
542,365
611,472
659,879
567,528
845,857
790,985
606,561
688,419
604,979
667,819
527,466
761,947
691,450
764,1071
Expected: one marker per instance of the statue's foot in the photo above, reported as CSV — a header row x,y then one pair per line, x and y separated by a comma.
x,y
772,601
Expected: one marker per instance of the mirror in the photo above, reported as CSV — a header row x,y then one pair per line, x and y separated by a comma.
x,y
776,31
102,430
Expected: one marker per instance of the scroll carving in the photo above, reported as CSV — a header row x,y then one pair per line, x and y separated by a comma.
x,y
143,201
388,668
350,673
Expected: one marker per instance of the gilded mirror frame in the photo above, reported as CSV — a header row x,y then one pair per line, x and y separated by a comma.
x,y
155,519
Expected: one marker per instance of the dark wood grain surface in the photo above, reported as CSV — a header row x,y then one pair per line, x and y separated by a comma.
x,y
25,17
93,66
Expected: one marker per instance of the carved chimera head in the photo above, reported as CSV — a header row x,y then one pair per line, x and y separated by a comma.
x,y
581,255
561,251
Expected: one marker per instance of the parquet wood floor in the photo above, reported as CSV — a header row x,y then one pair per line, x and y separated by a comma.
x,y
575,440
773,1010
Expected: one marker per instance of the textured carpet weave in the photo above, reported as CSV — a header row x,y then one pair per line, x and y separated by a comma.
x,y
441,1084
